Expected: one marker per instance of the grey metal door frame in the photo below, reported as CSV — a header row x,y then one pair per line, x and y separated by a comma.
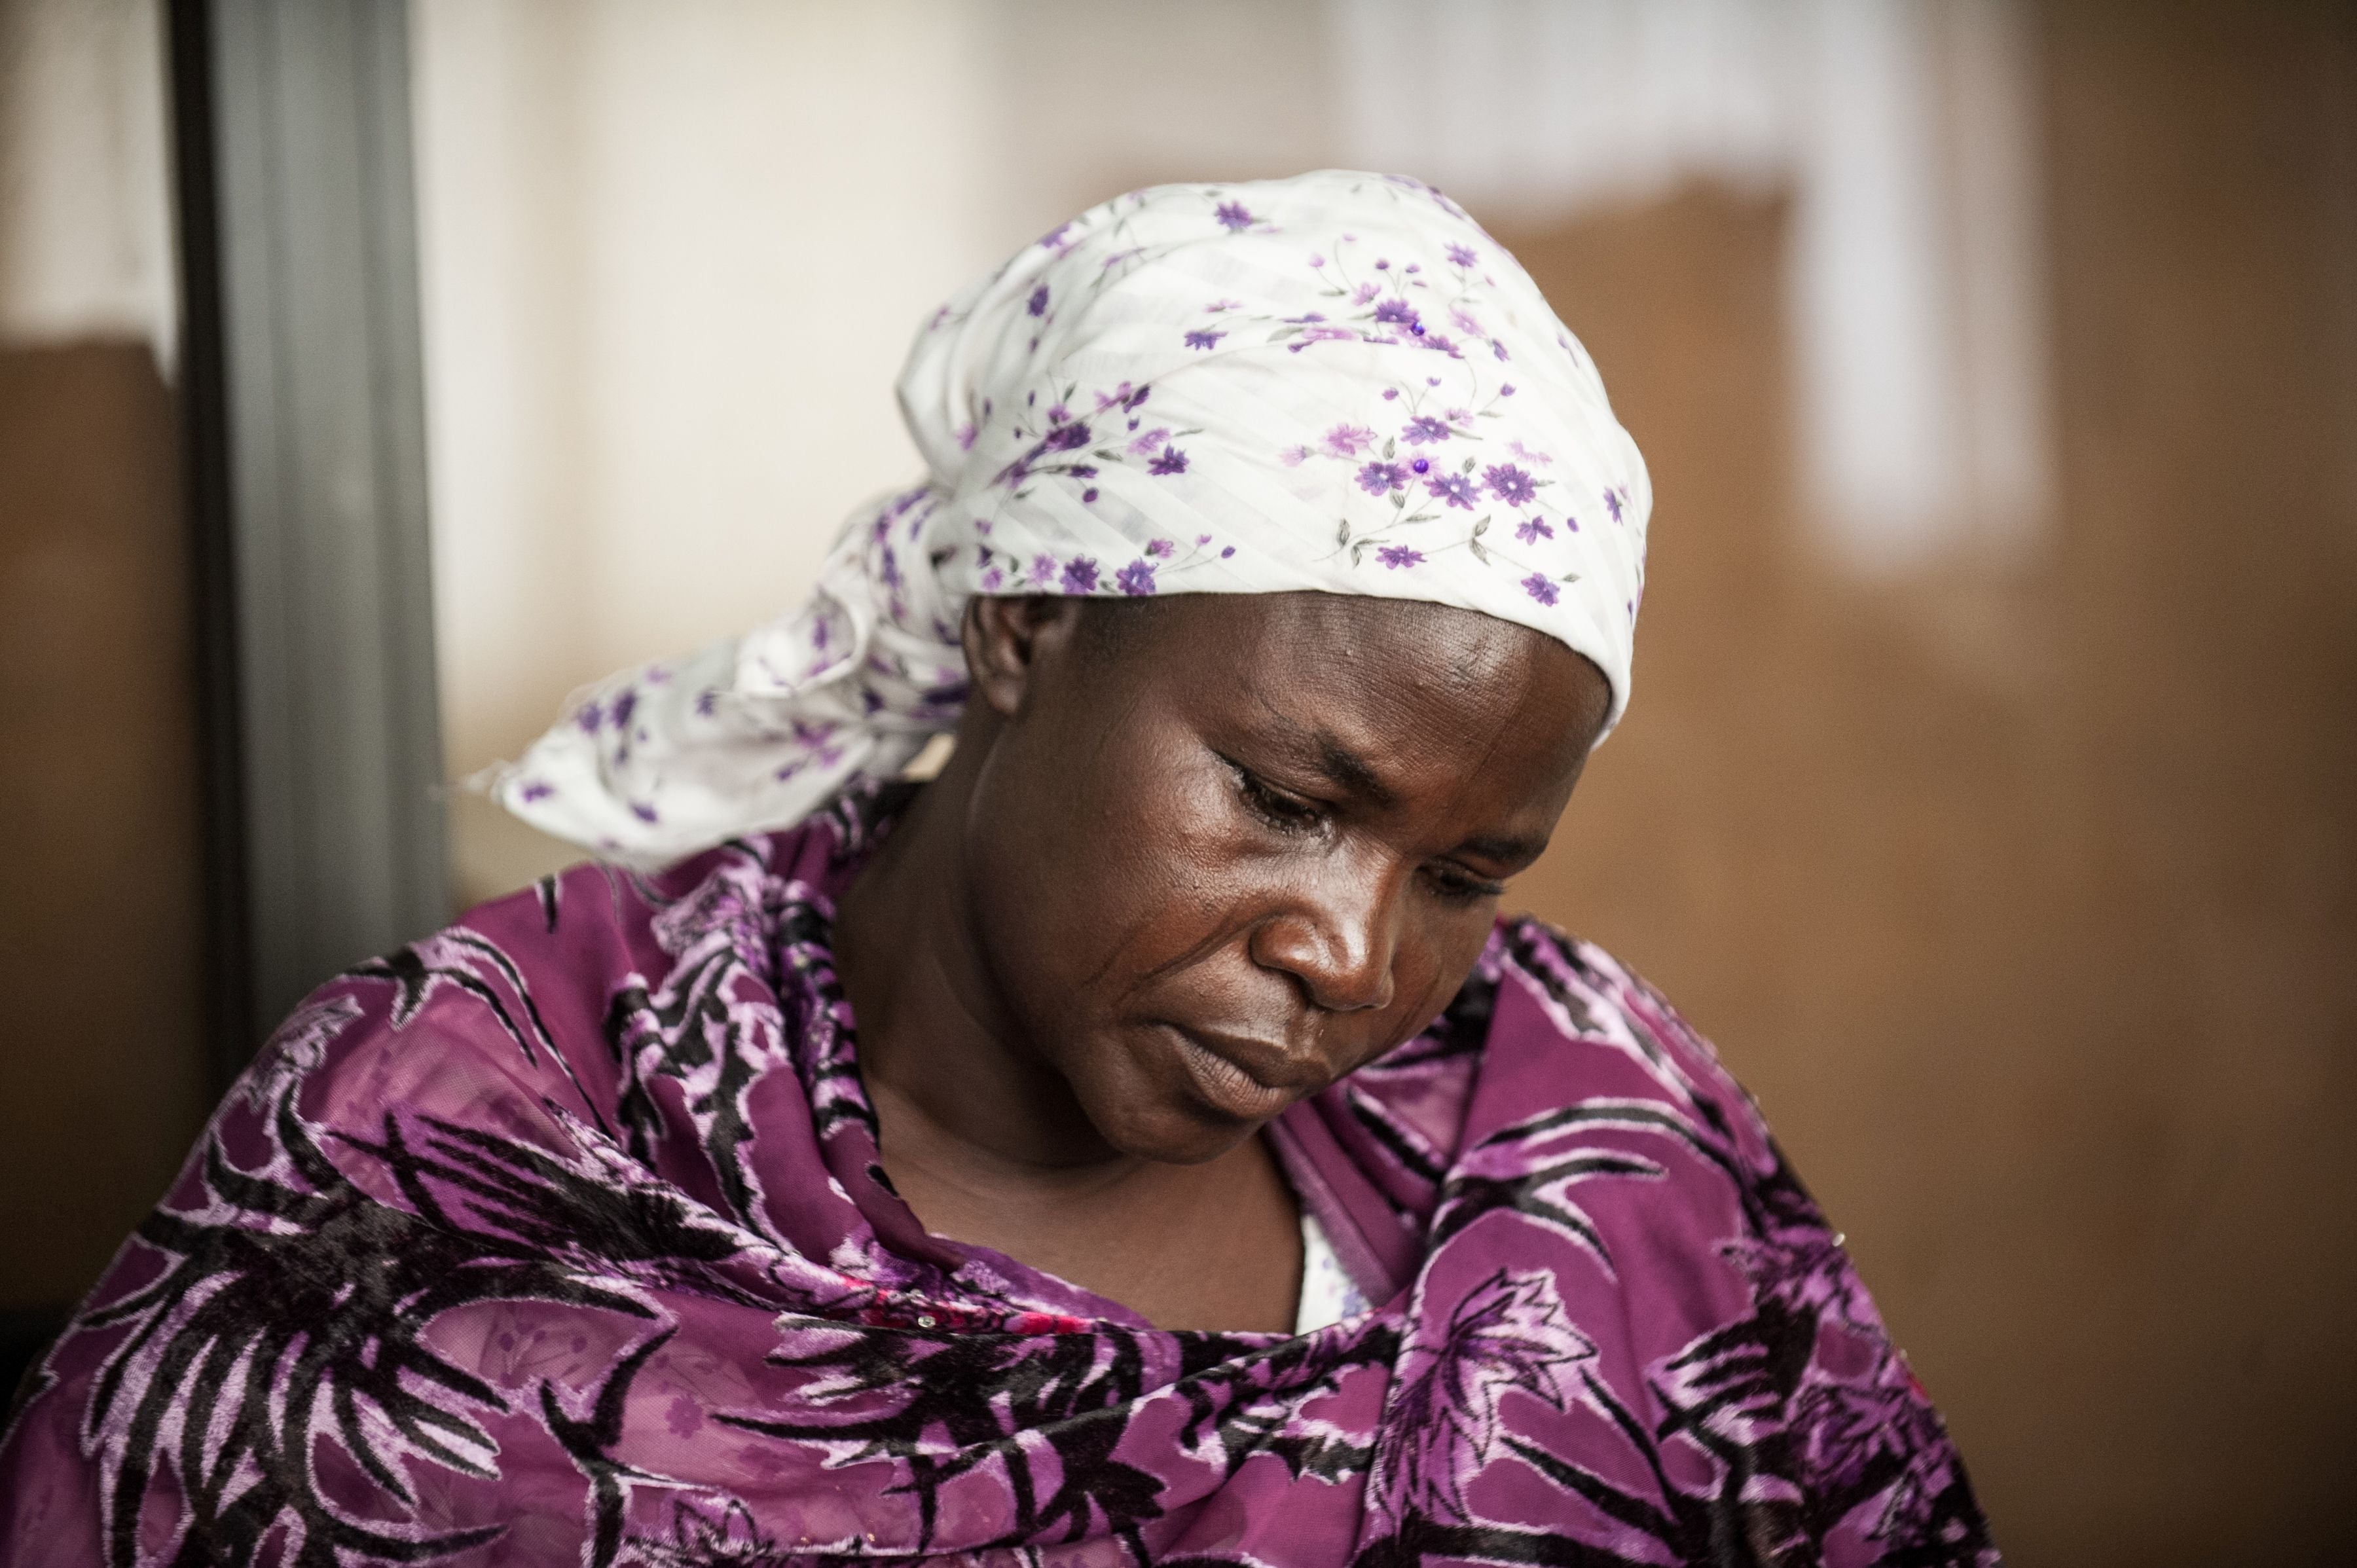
x,y
303,416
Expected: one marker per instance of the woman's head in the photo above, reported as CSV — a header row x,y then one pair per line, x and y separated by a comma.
x,y
1334,385
1221,850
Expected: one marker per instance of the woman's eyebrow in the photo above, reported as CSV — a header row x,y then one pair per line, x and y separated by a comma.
x,y
1514,852
1352,773
1348,769
1322,749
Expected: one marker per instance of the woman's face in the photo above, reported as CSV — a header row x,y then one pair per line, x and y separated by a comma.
x,y
1225,849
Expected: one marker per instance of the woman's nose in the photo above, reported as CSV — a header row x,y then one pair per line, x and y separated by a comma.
x,y
1337,937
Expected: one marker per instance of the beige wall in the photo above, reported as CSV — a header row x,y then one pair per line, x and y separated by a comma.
x,y
85,214
672,257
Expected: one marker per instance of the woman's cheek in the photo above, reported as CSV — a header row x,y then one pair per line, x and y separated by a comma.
x,y
1430,976
1184,815
1139,885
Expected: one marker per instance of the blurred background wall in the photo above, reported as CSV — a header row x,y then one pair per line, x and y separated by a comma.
x,y
101,1050
1991,793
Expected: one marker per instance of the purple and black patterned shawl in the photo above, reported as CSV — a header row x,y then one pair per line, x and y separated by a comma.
x,y
560,1237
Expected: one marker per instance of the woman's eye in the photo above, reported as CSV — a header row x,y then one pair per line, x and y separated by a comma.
x,y
1274,805
1462,886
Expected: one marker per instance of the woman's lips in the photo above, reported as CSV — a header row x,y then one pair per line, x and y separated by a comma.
x,y
1232,1076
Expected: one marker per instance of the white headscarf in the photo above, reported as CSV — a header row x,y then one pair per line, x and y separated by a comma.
x,y
1335,382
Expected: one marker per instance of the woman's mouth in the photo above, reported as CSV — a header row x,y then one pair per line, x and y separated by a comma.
x,y
1233,1077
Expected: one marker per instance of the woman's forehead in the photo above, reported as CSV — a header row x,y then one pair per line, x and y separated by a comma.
x,y
1381,641
1357,674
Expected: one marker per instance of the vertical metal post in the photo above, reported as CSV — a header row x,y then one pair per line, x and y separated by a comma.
x,y
306,423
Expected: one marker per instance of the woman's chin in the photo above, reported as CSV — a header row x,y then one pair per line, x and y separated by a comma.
x,y
1171,1128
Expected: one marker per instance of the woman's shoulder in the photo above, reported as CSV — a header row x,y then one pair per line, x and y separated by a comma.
x,y
1551,1041
601,906
1605,1030
498,1014
524,997
1602,1115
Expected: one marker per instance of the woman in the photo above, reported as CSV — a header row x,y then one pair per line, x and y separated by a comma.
x,y
1212,1179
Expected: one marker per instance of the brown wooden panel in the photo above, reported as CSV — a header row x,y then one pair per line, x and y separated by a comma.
x,y
2027,898
100,1031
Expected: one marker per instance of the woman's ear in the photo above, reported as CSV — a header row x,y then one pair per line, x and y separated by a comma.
x,y
1005,640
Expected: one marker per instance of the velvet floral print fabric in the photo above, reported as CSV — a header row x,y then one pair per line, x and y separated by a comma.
x,y
1337,382
560,1237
